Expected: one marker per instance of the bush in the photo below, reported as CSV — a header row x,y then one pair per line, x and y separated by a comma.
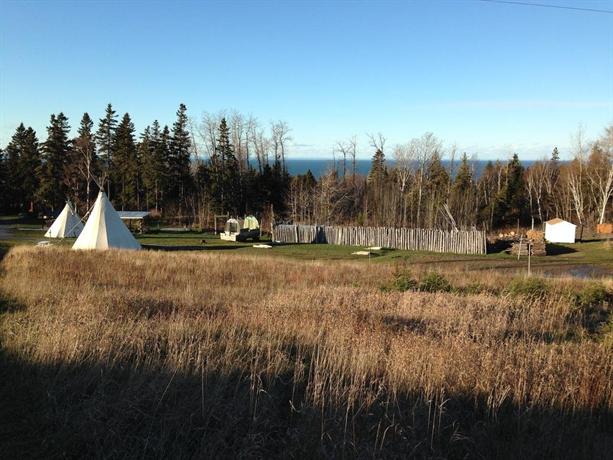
x,y
592,294
593,301
402,282
434,282
529,287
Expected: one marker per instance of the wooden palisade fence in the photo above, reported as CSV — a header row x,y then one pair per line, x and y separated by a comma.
x,y
415,239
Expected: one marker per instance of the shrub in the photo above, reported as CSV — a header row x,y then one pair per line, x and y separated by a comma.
x,y
593,301
592,294
402,282
434,282
529,287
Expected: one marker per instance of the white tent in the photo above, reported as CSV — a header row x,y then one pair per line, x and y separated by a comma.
x,y
559,231
67,225
104,229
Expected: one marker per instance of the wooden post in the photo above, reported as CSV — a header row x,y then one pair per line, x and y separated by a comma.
x,y
529,254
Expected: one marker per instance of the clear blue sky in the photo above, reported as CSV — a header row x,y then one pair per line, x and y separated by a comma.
x,y
493,78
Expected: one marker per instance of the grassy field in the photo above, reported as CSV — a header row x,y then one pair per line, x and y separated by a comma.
x,y
587,259
262,353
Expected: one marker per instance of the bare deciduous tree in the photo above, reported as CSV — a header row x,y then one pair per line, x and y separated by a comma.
x,y
280,138
600,172
404,155
575,177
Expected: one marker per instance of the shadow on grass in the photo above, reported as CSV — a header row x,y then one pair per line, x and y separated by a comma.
x,y
8,305
156,247
558,249
93,410
429,328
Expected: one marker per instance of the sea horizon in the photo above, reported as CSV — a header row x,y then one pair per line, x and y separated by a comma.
x,y
319,167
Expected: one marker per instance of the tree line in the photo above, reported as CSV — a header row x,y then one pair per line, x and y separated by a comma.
x,y
420,190
159,170
231,164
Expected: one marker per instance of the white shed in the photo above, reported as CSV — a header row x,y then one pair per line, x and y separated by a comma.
x,y
559,231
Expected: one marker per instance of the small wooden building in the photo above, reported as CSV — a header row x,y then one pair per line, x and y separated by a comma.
x,y
134,220
560,231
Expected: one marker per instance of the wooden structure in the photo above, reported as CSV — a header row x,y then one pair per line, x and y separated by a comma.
x,y
604,229
241,229
135,220
415,239
521,248
220,216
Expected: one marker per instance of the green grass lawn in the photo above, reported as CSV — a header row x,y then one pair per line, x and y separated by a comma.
x,y
595,254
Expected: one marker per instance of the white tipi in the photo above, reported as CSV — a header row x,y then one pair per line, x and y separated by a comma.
x,y
67,225
104,229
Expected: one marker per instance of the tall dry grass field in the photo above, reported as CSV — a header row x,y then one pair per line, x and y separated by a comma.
x,y
182,355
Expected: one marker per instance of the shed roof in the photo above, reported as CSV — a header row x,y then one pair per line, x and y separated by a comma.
x,y
557,220
132,215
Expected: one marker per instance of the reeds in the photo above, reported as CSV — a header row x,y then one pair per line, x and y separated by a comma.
x,y
181,353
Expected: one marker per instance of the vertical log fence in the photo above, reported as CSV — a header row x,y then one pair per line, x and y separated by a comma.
x,y
415,239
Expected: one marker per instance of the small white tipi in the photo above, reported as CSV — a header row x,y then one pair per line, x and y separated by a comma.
x,y
104,229
67,225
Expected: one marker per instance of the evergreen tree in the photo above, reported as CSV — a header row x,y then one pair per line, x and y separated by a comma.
x,y
145,154
464,178
30,162
56,153
280,187
179,161
154,156
378,170
437,186
511,200
105,138
555,155
125,163
223,171
22,163
462,199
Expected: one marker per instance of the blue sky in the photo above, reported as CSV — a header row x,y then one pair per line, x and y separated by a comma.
x,y
492,78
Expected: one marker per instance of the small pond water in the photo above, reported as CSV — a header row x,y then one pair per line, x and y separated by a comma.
x,y
580,271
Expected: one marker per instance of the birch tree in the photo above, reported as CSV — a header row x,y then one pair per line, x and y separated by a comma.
x,y
600,172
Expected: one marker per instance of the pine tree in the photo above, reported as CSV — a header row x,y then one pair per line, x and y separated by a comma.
x,y
105,138
511,200
224,172
56,152
437,186
30,162
462,198
145,152
555,155
154,153
163,152
125,163
378,170
22,164
179,166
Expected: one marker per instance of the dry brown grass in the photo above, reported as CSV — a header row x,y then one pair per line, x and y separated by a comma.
x,y
182,355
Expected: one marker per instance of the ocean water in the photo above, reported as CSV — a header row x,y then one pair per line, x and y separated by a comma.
x,y
320,167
